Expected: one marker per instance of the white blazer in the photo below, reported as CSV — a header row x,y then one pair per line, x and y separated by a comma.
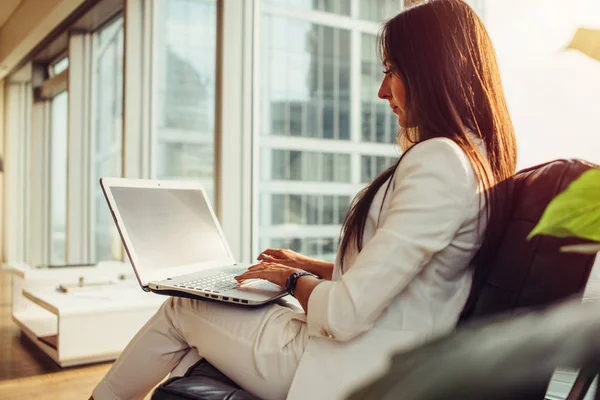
x,y
410,281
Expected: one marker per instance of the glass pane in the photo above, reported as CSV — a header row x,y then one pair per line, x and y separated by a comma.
x,y
305,88
108,132
295,209
59,66
312,210
372,166
278,209
306,166
343,206
305,96
58,178
328,248
341,7
479,7
279,161
328,211
341,172
378,122
379,10
295,166
184,91
366,169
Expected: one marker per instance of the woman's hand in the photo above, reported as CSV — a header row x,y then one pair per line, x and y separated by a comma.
x,y
269,271
295,260
279,274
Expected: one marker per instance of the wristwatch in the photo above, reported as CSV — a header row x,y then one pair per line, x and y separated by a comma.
x,y
290,284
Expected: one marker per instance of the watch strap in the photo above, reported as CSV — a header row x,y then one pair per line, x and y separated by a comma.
x,y
290,284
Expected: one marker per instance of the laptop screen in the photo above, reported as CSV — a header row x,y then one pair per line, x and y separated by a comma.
x,y
169,227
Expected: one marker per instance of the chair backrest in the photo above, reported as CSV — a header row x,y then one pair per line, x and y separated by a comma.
x,y
517,273
513,272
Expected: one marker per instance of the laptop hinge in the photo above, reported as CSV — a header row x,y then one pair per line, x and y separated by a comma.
x,y
146,289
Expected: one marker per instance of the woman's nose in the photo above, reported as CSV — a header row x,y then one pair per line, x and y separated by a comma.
x,y
383,90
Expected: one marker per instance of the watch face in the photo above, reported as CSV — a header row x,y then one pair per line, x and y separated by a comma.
x,y
290,281
293,279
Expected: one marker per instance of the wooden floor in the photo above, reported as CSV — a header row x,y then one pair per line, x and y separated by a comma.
x,y
27,373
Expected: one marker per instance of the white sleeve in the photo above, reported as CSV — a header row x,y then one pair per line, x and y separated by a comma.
x,y
434,185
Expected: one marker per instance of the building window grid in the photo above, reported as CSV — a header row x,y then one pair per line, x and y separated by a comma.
x,y
366,28
303,118
309,160
308,209
340,7
372,165
311,166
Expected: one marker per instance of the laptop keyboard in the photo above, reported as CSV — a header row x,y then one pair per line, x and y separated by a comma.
x,y
217,283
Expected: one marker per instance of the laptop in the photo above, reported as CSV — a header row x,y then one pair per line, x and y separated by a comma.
x,y
176,245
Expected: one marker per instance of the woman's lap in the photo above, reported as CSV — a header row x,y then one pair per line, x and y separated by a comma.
x,y
259,348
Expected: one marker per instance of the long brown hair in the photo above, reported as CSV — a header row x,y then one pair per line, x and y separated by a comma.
x,y
444,56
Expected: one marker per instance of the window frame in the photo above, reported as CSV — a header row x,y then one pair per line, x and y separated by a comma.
x,y
233,119
234,123
17,103
116,23
79,155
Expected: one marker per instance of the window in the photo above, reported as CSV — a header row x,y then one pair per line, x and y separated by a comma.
x,y
371,166
306,83
183,86
378,10
59,66
341,7
379,124
298,209
16,159
313,147
309,166
107,132
58,177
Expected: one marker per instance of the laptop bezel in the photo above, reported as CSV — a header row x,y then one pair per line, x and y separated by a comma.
x,y
144,277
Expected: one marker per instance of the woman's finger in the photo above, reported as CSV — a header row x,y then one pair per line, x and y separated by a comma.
x,y
252,275
265,265
273,253
256,267
261,266
265,257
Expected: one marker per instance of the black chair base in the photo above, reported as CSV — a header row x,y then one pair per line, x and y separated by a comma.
x,y
201,381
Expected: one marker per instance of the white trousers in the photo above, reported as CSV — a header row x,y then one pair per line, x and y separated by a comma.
x,y
258,348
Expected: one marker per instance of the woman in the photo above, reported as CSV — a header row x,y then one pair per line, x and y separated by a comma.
x,y
402,273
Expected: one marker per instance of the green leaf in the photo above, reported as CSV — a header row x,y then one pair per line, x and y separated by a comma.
x,y
574,212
